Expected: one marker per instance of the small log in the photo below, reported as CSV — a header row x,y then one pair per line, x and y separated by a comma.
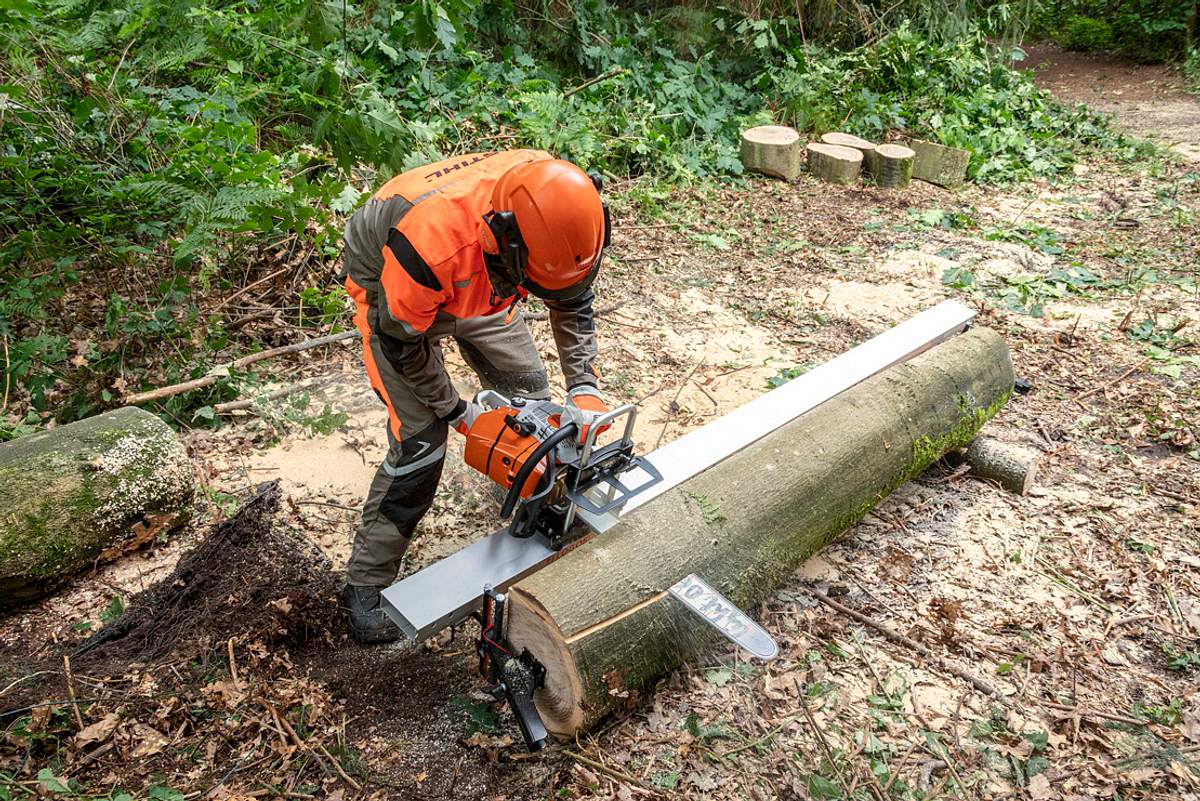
x,y
834,164
892,166
772,150
938,164
1013,467
850,140
86,492
599,619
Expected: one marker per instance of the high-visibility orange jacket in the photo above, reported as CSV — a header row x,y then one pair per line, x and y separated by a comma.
x,y
412,253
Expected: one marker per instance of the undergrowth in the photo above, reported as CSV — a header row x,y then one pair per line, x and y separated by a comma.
x,y
159,156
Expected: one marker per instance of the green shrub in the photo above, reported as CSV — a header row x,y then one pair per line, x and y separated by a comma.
x,y
1087,34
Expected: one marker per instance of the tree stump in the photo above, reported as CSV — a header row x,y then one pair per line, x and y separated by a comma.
x,y
850,140
938,164
86,492
599,618
834,164
772,150
1013,467
892,166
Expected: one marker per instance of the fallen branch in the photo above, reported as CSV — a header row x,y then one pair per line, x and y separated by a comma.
x,y
591,81
247,403
215,374
895,636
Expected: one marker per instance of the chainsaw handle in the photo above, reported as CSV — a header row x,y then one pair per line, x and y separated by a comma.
x,y
491,399
547,445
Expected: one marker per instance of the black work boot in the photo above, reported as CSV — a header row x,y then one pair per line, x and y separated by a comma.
x,y
365,618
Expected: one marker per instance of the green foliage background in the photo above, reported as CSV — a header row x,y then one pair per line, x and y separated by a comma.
x,y
158,155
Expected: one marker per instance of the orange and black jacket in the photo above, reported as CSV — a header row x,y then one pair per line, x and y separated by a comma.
x,y
412,254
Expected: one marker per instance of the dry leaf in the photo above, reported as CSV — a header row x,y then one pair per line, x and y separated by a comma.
x,y
1039,787
97,732
147,740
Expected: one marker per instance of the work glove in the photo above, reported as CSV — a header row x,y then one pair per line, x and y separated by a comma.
x,y
464,416
584,404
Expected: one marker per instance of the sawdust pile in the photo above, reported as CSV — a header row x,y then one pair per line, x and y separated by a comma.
x,y
248,579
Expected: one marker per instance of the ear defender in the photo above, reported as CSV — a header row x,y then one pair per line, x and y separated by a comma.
x,y
487,238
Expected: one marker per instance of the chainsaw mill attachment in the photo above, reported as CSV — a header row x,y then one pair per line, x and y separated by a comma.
x,y
513,678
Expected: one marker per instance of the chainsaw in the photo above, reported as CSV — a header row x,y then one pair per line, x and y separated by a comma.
x,y
534,450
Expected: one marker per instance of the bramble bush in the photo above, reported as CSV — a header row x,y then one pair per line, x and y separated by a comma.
x,y
158,155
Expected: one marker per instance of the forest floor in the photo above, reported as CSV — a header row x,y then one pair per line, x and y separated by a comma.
x,y
1080,602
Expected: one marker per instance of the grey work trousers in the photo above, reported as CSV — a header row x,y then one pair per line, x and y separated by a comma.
x,y
503,356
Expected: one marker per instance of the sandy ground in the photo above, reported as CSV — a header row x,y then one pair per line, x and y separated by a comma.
x,y
1079,603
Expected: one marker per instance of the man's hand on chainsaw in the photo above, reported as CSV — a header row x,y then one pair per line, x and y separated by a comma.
x,y
584,404
465,415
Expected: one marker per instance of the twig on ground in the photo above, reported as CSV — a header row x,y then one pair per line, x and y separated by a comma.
x,y
1107,384
233,670
675,401
15,682
71,689
545,315
340,770
248,287
613,773
291,389
896,636
245,361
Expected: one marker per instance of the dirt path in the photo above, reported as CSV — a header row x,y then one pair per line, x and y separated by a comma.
x,y
1145,99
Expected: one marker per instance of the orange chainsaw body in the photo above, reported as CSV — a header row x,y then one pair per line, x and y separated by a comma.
x,y
496,449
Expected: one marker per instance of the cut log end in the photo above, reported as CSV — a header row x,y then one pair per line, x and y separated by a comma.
x,y
560,701
772,150
834,164
1013,467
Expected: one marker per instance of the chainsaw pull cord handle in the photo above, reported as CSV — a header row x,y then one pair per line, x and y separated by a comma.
x,y
548,444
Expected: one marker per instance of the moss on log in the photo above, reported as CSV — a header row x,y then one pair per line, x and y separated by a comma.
x,y
938,164
86,492
834,164
598,618
772,150
892,166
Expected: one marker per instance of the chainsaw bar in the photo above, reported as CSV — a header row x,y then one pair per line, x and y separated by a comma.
x,y
719,612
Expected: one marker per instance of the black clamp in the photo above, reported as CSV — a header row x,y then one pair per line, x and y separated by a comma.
x,y
512,677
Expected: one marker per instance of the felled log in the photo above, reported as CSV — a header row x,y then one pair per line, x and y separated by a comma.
x,y
892,166
938,164
84,493
858,143
598,618
772,150
834,164
1013,467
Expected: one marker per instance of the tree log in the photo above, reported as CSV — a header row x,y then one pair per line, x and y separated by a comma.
x,y
598,618
850,140
892,166
833,163
772,150
1013,467
86,492
938,164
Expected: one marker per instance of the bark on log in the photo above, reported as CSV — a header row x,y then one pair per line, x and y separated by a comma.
x,y
938,164
833,163
1013,467
857,143
772,150
598,618
892,166
86,492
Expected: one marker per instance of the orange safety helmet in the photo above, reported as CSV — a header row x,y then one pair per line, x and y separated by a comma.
x,y
547,230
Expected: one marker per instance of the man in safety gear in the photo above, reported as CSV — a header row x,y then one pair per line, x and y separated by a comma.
x,y
448,250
